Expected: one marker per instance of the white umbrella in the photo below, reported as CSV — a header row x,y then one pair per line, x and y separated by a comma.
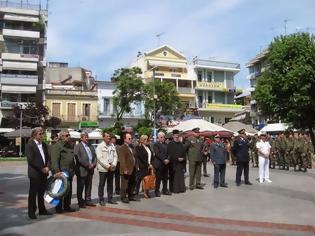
x,y
203,125
95,134
277,127
74,134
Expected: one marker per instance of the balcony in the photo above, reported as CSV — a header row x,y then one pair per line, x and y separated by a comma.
x,y
221,107
26,34
229,66
9,105
186,90
18,79
20,5
11,65
19,57
71,92
166,75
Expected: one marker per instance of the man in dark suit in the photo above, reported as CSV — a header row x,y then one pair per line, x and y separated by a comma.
x,y
85,163
127,169
218,156
38,162
241,152
160,163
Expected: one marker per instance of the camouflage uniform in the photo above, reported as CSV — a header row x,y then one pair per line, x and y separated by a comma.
x,y
300,153
290,155
280,149
253,151
310,151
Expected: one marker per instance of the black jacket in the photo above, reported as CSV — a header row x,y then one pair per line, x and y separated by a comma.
x,y
142,158
160,154
35,160
240,150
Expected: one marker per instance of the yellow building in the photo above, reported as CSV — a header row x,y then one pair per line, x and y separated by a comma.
x,y
70,94
170,65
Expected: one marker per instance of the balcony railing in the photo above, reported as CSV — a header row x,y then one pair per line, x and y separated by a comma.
x,y
186,90
166,75
216,64
19,79
71,92
20,5
9,105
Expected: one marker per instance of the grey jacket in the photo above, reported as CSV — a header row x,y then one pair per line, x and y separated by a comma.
x,y
82,160
218,154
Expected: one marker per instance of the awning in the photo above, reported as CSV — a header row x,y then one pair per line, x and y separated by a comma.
x,y
167,64
6,130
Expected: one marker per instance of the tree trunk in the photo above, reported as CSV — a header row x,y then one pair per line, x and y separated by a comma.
x,y
312,135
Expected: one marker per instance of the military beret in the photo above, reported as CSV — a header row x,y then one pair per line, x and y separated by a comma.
x,y
242,131
175,131
196,129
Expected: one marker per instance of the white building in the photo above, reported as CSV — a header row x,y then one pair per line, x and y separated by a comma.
x,y
22,53
215,89
106,108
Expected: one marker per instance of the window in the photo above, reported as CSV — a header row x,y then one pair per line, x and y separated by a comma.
x,y
71,111
106,106
86,110
209,99
212,119
199,101
199,75
56,109
209,76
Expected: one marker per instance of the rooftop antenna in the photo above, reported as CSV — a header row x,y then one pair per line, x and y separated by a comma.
x,y
159,37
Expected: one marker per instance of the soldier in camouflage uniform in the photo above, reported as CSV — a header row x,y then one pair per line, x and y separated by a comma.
x,y
253,150
290,155
272,157
310,150
300,152
281,147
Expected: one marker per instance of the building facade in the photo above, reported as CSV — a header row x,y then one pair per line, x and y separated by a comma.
x,y
256,66
171,66
70,94
215,89
106,108
23,43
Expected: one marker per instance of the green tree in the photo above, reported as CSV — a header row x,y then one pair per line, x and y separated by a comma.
x,y
286,90
129,90
166,98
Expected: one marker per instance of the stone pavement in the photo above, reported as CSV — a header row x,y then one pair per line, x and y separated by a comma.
x,y
284,207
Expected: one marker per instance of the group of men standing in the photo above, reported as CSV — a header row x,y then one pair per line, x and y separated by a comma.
x,y
287,150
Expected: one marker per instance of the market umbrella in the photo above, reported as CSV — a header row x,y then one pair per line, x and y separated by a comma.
x,y
25,133
276,127
203,125
235,126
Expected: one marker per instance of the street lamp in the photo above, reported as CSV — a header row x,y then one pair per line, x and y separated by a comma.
x,y
154,97
21,117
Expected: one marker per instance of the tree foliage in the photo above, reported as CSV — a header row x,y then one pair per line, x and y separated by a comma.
x,y
286,89
129,90
166,101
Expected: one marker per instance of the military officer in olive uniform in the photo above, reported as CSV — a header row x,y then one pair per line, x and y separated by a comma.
x,y
195,158
310,150
62,160
290,153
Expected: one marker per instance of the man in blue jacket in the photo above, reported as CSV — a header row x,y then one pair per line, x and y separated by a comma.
x,y
218,155
241,152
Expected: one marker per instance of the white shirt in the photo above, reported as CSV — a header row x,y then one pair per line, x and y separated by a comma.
x,y
263,147
40,148
88,151
149,153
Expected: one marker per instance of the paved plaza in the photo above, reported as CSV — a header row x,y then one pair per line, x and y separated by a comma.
x,y
283,207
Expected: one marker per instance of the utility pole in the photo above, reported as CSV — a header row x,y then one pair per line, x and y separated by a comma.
x,y
154,114
21,116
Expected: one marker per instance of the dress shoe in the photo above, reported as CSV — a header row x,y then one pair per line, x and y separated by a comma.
x,y
157,194
117,192
199,187
112,202
206,175
125,200
82,205
91,204
32,216
191,188
238,184
224,185
133,199
167,193
69,209
248,183
215,186
59,211
102,203
45,213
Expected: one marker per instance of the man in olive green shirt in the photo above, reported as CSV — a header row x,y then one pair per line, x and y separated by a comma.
x,y
62,160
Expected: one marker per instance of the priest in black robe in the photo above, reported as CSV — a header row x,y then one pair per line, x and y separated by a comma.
x,y
177,155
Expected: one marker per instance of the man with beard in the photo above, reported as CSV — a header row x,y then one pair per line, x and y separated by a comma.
x,y
176,153
62,160
38,162
161,163
240,150
86,162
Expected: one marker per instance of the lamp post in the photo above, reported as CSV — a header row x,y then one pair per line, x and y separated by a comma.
x,y
154,126
21,116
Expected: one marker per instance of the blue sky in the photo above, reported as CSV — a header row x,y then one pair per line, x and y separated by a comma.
x,y
106,35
